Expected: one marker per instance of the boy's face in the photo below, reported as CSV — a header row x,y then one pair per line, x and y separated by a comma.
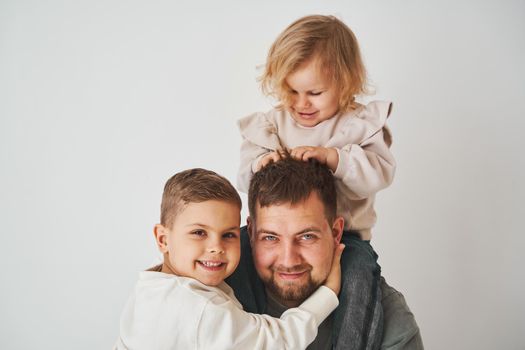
x,y
204,242
314,98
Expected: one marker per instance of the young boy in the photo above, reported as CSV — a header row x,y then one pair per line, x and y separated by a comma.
x,y
185,303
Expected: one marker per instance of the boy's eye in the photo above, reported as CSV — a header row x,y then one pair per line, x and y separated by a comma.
x,y
316,93
229,235
199,233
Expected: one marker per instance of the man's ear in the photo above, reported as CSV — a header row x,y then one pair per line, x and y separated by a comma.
x,y
251,228
161,237
337,229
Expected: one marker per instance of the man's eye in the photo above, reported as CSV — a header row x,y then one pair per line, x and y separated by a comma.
x,y
269,238
307,237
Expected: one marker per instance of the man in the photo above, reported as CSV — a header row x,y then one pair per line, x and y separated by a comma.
x,y
287,252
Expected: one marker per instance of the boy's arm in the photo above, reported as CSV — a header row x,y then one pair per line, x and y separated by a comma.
x,y
295,329
227,326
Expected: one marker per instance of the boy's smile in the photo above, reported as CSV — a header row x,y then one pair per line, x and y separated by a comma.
x,y
204,242
212,265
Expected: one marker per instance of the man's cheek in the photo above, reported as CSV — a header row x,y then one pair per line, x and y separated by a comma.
x,y
260,260
321,268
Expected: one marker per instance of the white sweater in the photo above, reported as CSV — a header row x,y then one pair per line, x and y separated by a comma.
x,y
361,139
171,312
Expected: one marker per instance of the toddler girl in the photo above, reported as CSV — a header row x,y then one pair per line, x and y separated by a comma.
x,y
314,68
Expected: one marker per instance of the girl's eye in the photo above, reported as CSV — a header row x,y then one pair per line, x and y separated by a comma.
x,y
316,93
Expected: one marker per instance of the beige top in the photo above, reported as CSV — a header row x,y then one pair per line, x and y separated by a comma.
x,y
361,138
168,312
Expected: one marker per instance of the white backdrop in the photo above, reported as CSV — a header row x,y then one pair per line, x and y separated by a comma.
x,y
102,101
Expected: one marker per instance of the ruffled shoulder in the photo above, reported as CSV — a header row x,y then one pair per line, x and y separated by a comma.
x,y
260,129
366,121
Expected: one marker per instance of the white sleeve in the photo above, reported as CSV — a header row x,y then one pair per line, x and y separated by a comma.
x,y
226,326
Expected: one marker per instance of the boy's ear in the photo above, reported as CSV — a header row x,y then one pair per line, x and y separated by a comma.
x,y
161,237
337,229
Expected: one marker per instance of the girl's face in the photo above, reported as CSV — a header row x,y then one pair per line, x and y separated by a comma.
x,y
313,97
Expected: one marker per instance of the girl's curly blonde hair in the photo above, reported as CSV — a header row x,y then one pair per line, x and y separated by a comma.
x,y
325,39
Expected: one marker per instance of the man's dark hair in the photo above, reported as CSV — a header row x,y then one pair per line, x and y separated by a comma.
x,y
292,181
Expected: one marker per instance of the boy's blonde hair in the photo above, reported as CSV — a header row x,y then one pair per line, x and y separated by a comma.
x,y
331,43
194,186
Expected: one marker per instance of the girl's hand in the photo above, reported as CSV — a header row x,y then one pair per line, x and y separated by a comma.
x,y
269,158
333,281
323,155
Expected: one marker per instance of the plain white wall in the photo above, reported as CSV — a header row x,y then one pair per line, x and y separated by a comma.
x,y
102,101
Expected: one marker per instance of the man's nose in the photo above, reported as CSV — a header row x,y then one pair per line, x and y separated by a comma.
x,y
290,255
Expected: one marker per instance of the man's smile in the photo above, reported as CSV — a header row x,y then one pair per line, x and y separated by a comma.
x,y
290,276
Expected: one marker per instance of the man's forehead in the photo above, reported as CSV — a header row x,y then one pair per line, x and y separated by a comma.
x,y
312,203
288,217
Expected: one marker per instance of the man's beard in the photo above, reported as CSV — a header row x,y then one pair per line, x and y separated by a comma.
x,y
292,291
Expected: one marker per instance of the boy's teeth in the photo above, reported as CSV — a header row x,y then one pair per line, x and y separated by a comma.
x,y
210,264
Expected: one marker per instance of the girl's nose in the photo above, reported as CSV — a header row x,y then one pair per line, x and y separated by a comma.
x,y
302,102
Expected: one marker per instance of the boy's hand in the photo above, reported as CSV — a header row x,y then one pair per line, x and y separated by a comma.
x,y
269,158
333,281
323,155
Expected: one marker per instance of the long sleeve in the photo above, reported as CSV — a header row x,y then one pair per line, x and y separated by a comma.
x,y
367,166
225,326
259,136
168,312
251,155
361,138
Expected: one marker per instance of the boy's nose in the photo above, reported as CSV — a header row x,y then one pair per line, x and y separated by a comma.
x,y
215,247
216,250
